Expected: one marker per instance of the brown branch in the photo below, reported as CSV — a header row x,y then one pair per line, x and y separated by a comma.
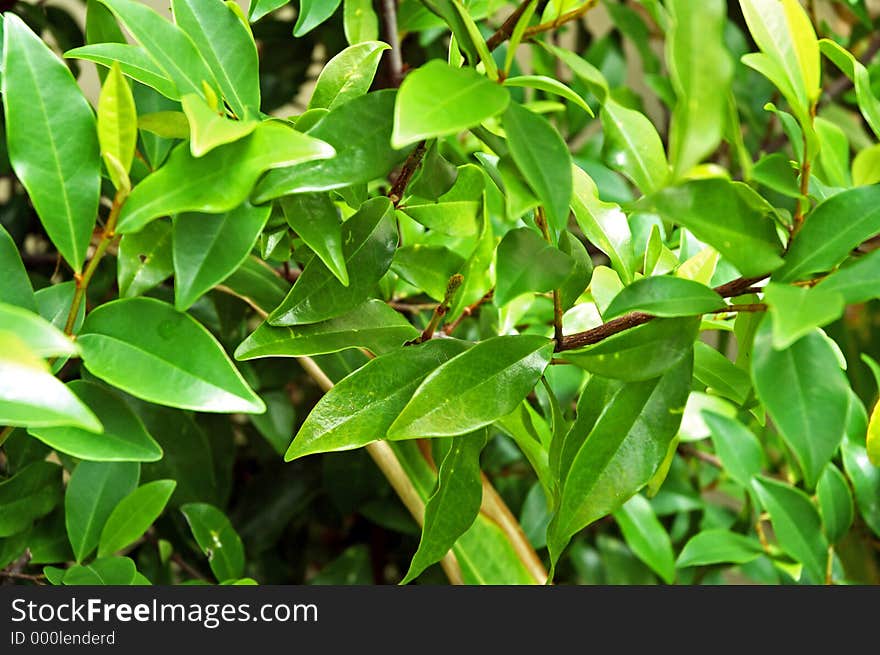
x,y
468,311
689,451
440,311
506,30
392,36
410,166
568,16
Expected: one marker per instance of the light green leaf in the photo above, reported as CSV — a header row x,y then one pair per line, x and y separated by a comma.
x,y
701,83
664,296
454,505
39,335
646,536
316,220
436,100
833,157
796,524
165,124
134,62
718,547
866,165
93,490
861,79
312,13
185,183
456,211
105,571
550,85
737,447
259,8
797,311
360,21
806,395
720,374
133,516
227,47
209,129
544,160
124,439
833,229
369,238
117,127
207,248
144,259
835,503
372,325
526,263
362,406
475,388
217,539
633,147
169,358
858,281
31,493
347,75
746,237
51,140
16,289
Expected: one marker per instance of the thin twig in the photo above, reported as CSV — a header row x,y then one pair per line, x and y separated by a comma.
x,y
689,451
541,222
506,30
4,433
468,311
440,311
410,166
392,37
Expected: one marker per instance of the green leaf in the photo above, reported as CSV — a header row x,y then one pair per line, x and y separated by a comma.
x,y
861,79
148,349
259,8
28,495
125,439
39,335
16,289
437,99
866,165
133,61
312,13
51,140
581,271
361,407
427,267
209,129
117,127
455,212
796,524
702,83
217,539
835,503
372,325
619,452
833,153
360,131
664,295
106,571
186,183
604,224
133,516
797,311
315,219
360,22
347,75
526,263
718,547
858,281
865,479
454,505
30,396
369,238
747,236
737,447
144,259
531,433
872,440
543,158
832,230
93,490
257,284
646,536
207,248
166,44
550,85
633,147
720,374
643,352
475,388
227,47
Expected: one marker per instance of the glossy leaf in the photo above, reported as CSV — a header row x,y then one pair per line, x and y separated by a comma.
x,y
16,289
806,395
124,438
543,158
427,267
227,47
865,479
475,388
454,506
835,503
362,406
720,374
259,8
737,447
646,536
315,219
217,539
133,516
312,13
834,228
369,238
580,272
633,147
39,335
208,128
746,237
437,99
526,263
718,547
105,571
373,325
796,524
117,127
347,75
207,248
93,490
169,358
664,296
133,61
360,21
51,139
144,259
29,494
796,311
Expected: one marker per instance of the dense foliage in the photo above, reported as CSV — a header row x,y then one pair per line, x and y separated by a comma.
x,y
570,286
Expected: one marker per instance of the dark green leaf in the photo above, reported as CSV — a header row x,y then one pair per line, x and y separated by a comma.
x,y
526,263
29,494
738,449
427,267
16,289
217,539
835,503
865,479
133,515
315,219
664,295
646,536
857,282
581,272
312,13
144,259
720,374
